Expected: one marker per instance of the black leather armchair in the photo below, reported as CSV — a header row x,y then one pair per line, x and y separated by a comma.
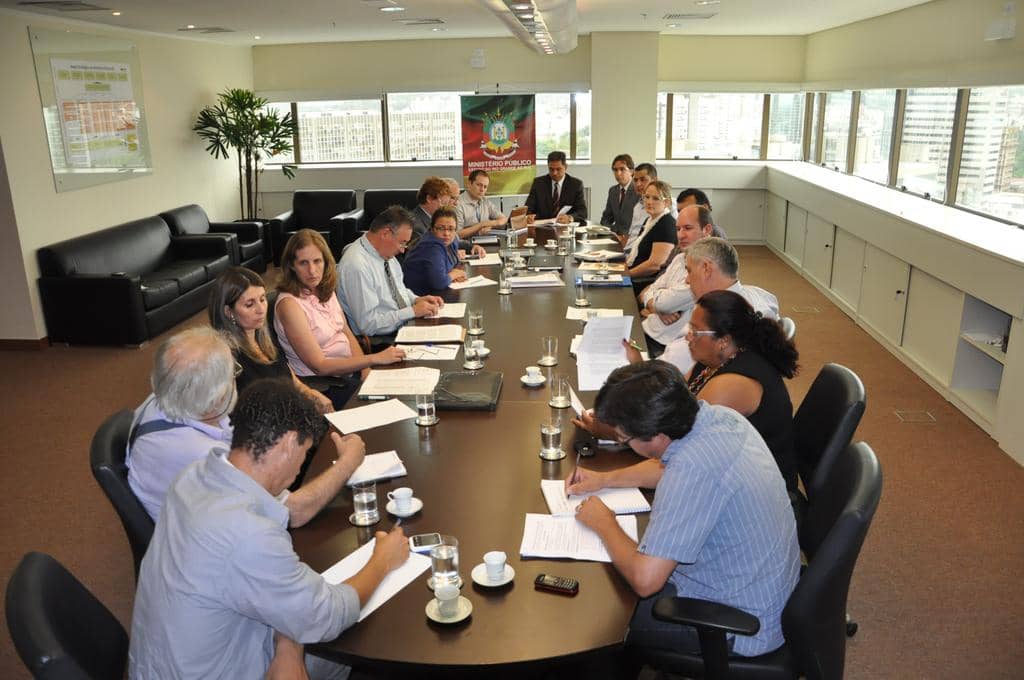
x,y
814,619
247,246
332,212
375,201
128,283
60,629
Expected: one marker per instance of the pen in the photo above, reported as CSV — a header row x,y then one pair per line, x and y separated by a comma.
x,y
373,397
572,480
632,343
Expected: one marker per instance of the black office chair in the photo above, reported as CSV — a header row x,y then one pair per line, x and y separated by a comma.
x,y
108,467
814,619
60,629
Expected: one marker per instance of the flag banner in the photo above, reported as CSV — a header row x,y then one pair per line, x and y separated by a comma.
x,y
499,136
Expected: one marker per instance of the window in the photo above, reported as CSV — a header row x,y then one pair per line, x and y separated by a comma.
x,y
716,125
340,131
424,126
660,124
582,100
836,136
554,123
927,135
812,153
786,126
992,165
874,135
282,110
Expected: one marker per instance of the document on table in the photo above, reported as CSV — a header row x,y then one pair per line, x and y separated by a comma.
x,y
367,417
601,351
430,352
549,536
594,229
574,344
378,466
400,381
599,255
536,280
599,242
473,282
577,406
602,278
619,501
442,333
599,266
488,259
451,310
486,240
580,313
392,583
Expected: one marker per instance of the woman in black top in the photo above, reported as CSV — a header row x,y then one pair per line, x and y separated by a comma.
x,y
742,358
657,239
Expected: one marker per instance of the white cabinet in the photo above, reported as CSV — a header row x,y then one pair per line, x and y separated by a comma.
x,y
847,269
796,233
775,222
818,249
932,327
883,293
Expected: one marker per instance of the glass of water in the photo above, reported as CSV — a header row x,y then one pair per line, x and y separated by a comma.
x,y
444,563
504,285
551,441
581,293
549,351
560,393
364,504
476,322
426,412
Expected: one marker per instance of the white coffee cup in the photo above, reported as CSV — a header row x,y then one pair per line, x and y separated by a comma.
x,y
402,498
533,373
495,563
447,597
529,243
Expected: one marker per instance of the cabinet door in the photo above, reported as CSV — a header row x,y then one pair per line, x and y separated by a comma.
x,y
847,269
818,250
796,233
883,293
775,226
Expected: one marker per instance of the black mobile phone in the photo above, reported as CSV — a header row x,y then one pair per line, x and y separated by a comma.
x,y
584,447
562,585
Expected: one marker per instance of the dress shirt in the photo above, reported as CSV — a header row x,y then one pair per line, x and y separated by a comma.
x,y
220,576
670,293
470,212
156,458
326,323
721,512
364,293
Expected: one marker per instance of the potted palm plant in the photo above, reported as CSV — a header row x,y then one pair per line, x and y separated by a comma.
x,y
241,121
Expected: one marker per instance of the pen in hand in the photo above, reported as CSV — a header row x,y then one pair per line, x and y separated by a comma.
x,y
572,480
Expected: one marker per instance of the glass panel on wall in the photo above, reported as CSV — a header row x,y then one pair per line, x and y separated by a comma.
x,y
660,124
927,134
836,135
282,109
552,123
992,166
716,125
424,126
874,135
786,126
812,154
341,131
582,124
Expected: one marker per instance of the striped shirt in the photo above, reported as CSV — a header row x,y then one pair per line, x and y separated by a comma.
x,y
721,511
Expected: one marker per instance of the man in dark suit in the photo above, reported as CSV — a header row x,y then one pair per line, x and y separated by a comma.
x,y
550,193
618,211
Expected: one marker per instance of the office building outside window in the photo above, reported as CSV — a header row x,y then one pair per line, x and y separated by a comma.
x,y
660,126
836,135
282,109
552,118
582,124
874,135
424,126
716,125
786,126
812,153
992,165
927,135
341,131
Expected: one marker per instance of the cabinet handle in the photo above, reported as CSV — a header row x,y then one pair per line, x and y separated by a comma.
x,y
828,245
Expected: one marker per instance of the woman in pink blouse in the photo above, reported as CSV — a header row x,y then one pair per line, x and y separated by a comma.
x,y
310,323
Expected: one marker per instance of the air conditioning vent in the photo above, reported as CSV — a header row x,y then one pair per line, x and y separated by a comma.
x,y
689,16
420,22
64,5
207,29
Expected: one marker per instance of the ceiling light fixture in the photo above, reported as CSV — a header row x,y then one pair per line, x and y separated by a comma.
x,y
545,26
190,26
392,8
257,37
116,14
705,3
522,5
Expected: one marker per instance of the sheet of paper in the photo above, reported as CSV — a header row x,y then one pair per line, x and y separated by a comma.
x,y
439,334
581,313
600,242
451,310
599,266
473,282
430,352
400,381
486,260
619,501
592,371
599,255
536,280
574,399
574,344
548,536
601,351
602,278
594,229
376,466
392,583
486,240
367,417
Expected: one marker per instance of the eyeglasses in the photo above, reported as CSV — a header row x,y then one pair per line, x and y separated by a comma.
x,y
692,333
444,229
626,441
402,245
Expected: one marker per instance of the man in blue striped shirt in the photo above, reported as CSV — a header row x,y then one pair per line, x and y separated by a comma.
x,y
721,526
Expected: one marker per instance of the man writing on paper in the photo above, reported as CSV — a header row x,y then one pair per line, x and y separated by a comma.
x,y
475,214
221,591
721,527
371,287
556,190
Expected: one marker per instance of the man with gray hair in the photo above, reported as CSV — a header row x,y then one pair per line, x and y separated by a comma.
x,y
187,415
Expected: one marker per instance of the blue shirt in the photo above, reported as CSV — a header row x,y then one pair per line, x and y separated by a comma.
x,y
220,576
364,293
722,512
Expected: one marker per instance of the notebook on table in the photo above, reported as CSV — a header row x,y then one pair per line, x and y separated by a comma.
x,y
468,391
546,262
619,501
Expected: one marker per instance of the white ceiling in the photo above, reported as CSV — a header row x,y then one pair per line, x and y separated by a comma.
x,y
298,21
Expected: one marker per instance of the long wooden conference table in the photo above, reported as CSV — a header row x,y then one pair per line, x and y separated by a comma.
x,y
478,474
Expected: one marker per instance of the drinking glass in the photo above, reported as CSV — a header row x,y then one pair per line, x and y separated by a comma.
x,y
472,358
476,322
581,293
444,563
364,504
551,441
426,411
560,393
504,285
549,351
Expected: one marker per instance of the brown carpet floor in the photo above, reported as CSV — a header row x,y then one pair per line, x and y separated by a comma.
x,y
934,590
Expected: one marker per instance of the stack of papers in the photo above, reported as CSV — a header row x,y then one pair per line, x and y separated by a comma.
x,y
619,501
430,352
505,231
485,240
601,351
400,381
392,583
536,280
488,259
451,310
602,278
597,266
550,536
600,242
582,313
599,255
367,417
442,333
473,282
378,466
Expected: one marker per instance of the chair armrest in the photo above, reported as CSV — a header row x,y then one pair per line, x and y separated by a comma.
x,y
194,246
345,228
706,614
94,308
356,215
247,232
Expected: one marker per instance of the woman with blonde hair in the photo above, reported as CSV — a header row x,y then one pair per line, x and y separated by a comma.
x,y
650,251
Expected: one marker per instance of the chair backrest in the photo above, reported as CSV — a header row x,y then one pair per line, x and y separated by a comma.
x,y
108,467
788,327
825,422
135,247
836,522
188,219
58,627
375,201
314,208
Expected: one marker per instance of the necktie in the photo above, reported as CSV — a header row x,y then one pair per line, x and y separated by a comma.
x,y
554,199
622,196
395,295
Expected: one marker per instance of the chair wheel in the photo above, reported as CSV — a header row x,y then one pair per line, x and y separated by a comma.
x,y
851,628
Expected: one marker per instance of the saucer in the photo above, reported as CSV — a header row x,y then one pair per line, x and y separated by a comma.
x,y
551,245
392,507
479,575
465,608
532,383
352,519
484,353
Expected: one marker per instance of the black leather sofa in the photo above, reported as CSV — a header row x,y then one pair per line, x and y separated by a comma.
x,y
375,201
332,212
128,283
247,246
